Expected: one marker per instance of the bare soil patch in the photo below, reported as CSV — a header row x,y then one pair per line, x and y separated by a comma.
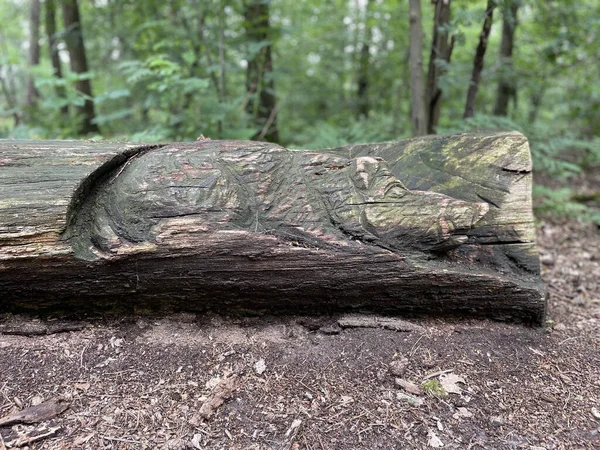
x,y
311,383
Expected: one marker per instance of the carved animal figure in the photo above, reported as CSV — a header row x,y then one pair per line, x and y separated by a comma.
x,y
316,199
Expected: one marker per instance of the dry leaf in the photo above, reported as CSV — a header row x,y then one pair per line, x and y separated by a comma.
x,y
260,366
295,424
449,383
217,397
81,386
462,412
196,441
83,439
433,440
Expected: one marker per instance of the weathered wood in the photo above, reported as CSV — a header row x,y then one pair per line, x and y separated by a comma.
x,y
437,225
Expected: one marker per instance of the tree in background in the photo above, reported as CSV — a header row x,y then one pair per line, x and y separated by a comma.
x,y
442,44
364,58
79,65
260,83
417,86
479,59
507,83
33,60
50,24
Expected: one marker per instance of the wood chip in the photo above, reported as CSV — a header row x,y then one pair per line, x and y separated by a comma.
x,y
221,392
408,386
410,399
39,413
436,373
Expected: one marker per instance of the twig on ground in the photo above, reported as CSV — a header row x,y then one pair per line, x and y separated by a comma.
x,y
38,413
26,440
435,374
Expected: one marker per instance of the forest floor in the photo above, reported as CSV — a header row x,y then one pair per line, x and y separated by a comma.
x,y
212,382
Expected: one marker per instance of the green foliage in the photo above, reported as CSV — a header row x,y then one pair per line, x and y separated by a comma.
x,y
377,128
562,203
434,387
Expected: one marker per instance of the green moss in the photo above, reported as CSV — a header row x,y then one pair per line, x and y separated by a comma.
x,y
434,387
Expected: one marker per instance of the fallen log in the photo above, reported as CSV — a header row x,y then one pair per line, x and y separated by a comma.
x,y
437,225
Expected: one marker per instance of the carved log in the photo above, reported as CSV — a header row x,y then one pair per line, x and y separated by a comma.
x,y
430,225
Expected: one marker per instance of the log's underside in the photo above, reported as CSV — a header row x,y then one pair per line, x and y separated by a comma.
x,y
437,225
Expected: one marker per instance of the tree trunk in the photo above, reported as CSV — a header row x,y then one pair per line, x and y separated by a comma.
x,y
506,84
234,224
363,66
79,65
260,84
10,99
417,88
441,51
479,59
222,86
33,59
50,19
536,103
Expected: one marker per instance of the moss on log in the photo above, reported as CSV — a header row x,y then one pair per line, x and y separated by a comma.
x,y
437,225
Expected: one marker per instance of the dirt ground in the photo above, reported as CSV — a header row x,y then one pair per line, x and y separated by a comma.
x,y
214,382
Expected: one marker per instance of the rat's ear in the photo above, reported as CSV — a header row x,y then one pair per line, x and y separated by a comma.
x,y
364,169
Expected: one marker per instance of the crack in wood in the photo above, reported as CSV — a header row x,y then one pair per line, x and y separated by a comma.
x,y
487,200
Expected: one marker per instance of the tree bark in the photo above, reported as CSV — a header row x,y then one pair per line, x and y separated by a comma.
x,y
506,84
10,99
441,51
417,88
363,66
79,65
423,226
536,103
222,77
260,84
50,20
479,59
33,59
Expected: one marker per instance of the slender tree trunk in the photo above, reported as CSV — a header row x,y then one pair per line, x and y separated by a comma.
x,y
479,59
50,19
401,98
417,85
506,84
7,82
363,66
31,93
79,65
441,51
260,85
536,103
10,100
222,88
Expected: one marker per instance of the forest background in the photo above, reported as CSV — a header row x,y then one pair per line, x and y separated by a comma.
x,y
312,74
